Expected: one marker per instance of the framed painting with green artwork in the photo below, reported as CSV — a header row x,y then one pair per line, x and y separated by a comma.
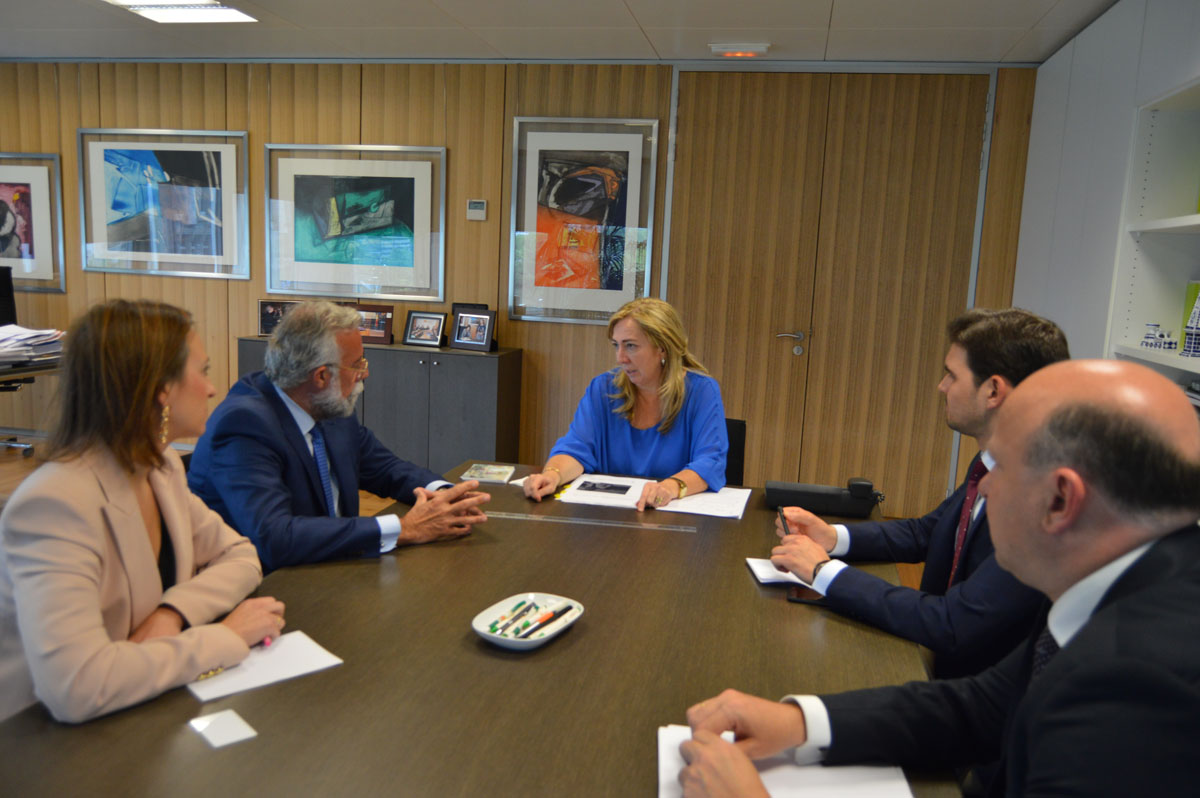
x,y
361,221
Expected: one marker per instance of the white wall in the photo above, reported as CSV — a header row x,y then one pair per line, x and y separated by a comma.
x,y
1079,147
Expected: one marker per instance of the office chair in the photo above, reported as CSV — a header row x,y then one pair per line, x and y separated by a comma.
x,y
735,464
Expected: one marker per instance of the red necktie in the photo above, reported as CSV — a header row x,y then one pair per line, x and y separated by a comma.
x,y
964,520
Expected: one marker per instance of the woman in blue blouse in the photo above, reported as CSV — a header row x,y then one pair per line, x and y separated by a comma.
x,y
657,415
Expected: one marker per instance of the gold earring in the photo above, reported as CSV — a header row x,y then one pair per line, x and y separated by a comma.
x,y
162,433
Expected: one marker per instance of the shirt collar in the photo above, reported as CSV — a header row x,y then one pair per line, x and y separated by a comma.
x,y
303,420
1076,605
988,460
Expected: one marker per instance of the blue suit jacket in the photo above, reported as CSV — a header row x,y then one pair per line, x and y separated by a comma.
x,y
252,465
970,626
1114,712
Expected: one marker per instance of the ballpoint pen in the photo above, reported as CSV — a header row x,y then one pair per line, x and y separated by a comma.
x,y
547,619
517,617
496,622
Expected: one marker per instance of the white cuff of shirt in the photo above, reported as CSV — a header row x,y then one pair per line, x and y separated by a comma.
x,y
389,531
843,541
825,577
817,731
438,483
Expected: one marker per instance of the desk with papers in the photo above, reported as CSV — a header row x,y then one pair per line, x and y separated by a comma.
x,y
422,706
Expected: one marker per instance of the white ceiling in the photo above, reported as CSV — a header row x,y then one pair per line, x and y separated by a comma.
x,y
572,30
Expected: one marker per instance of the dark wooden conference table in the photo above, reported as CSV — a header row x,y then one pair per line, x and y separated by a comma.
x,y
423,707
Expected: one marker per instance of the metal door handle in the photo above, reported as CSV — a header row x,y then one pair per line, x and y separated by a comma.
x,y
799,336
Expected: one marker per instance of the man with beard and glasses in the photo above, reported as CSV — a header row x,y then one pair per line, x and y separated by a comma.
x,y
284,455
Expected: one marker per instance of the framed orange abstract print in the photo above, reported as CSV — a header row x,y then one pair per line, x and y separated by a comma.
x,y
583,197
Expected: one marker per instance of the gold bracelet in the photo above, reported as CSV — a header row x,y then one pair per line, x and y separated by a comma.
x,y
558,481
682,487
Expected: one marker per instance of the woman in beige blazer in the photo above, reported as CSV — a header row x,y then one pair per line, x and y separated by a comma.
x,y
111,571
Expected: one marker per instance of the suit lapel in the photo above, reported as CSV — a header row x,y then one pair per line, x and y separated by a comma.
x,y
128,532
294,437
341,466
174,514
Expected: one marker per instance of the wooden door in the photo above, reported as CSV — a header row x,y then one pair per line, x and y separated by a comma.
x,y
901,172
749,153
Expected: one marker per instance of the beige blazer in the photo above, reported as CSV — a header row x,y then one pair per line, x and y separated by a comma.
x,y
77,576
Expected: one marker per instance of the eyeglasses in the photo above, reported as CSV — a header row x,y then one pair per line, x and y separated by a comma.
x,y
358,367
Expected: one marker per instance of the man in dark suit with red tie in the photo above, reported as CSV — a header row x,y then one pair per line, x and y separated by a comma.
x,y
1094,499
968,611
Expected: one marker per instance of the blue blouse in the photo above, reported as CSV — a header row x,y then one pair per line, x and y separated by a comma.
x,y
605,443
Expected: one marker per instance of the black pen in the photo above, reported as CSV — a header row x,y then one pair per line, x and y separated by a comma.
x,y
520,613
554,616
783,521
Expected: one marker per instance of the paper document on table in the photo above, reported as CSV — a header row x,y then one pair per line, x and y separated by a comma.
x,y
766,572
783,778
293,654
726,503
603,490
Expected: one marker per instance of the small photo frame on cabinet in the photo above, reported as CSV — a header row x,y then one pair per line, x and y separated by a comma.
x,y
376,324
473,330
424,328
270,313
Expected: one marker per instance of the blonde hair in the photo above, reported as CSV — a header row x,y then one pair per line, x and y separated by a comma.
x,y
662,325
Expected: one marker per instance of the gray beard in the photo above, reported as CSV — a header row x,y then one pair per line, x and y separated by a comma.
x,y
330,403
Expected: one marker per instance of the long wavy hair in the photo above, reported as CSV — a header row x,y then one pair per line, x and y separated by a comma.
x,y
117,358
662,325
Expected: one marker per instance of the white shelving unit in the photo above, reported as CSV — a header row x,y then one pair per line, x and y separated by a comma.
x,y
1159,251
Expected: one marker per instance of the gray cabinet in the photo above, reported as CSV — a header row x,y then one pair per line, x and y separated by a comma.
x,y
434,407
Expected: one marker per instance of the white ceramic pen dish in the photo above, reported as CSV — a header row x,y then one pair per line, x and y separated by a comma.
x,y
494,617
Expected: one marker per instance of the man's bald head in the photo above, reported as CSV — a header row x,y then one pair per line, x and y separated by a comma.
x,y
1127,430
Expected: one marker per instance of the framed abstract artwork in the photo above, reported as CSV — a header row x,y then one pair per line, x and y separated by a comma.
x,y
31,239
170,202
359,221
582,216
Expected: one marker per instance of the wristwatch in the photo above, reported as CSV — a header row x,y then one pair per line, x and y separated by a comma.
x,y
682,487
817,568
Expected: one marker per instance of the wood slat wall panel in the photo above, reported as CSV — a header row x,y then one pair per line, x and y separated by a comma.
x,y
747,199
897,222
474,138
560,359
1011,119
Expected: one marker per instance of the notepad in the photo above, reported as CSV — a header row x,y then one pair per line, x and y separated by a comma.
x,y
291,655
766,573
783,778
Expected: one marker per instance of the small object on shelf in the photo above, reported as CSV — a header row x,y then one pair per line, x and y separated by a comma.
x,y
1150,339
1191,331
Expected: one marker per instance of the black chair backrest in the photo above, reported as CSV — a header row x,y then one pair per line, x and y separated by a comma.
x,y
735,465
8,302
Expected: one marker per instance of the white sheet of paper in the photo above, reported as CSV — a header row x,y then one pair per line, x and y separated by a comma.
x,y
783,778
726,503
520,481
578,493
222,728
293,654
766,573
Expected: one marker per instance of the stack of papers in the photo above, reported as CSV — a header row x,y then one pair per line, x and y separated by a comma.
x,y
20,344
783,777
609,491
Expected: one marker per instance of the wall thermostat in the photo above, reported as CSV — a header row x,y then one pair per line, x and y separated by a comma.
x,y
476,210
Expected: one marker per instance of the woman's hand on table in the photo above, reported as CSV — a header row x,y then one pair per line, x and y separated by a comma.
x,y
658,494
541,484
255,619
